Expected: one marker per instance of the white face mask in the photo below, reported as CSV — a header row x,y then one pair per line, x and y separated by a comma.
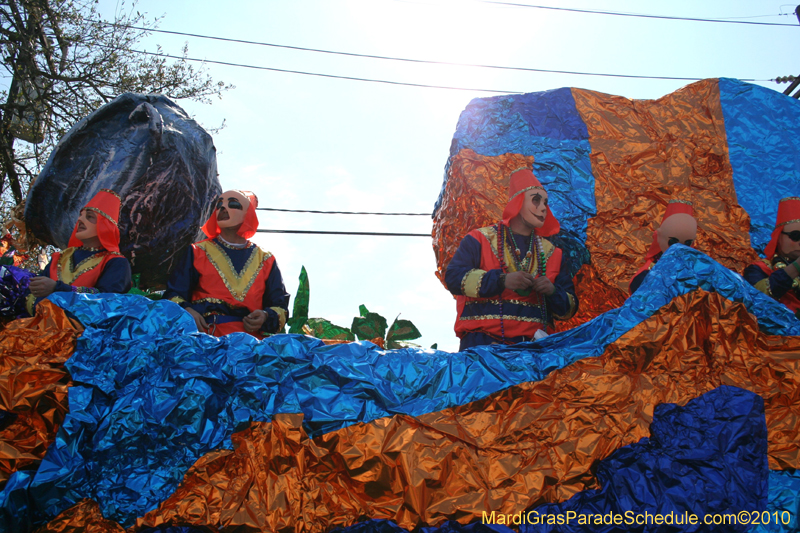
x,y
86,226
231,209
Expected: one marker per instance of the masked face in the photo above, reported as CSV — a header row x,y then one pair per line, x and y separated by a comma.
x,y
680,228
534,208
231,209
86,227
787,247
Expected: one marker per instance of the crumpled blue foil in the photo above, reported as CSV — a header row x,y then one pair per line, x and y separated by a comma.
x,y
784,503
151,395
705,458
763,133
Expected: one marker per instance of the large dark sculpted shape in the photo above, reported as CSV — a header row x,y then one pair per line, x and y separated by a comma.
x,y
148,150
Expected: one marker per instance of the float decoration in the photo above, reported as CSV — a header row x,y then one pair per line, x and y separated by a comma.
x,y
150,152
237,434
367,326
611,165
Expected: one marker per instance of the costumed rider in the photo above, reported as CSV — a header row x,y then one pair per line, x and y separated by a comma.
x,y
507,278
677,227
778,275
226,282
92,262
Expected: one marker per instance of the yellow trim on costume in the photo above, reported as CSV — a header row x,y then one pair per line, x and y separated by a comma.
x,y
67,273
763,286
103,214
237,283
496,301
526,189
177,299
504,317
573,307
281,317
471,284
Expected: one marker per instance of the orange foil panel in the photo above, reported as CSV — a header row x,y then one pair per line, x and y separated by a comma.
x,y
648,152
33,384
475,195
84,517
526,445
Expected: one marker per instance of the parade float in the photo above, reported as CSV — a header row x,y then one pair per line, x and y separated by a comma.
x,y
682,400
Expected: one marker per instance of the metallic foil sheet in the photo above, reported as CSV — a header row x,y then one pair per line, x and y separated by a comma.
x,y
648,152
763,132
594,297
84,517
393,433
476,193
33,385
715,444
708,143
527,445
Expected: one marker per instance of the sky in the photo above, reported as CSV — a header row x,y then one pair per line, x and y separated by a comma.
x,y
317,143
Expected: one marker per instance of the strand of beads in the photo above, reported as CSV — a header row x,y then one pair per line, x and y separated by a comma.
x,y
501,252
523,265
542,272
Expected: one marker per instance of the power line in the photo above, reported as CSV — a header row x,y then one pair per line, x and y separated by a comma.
x,y
389,58
341,212
311,232
640,15
351,78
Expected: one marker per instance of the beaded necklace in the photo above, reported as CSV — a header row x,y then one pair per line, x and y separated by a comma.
x,y
506,238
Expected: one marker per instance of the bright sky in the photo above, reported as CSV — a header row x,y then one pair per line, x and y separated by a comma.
x,y
304,142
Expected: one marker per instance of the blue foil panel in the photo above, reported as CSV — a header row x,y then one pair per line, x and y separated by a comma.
x,y
705,458
763,131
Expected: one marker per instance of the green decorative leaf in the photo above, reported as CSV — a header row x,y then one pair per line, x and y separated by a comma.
x,y
370,326
435,346
324,329
402,330
301,300
362,310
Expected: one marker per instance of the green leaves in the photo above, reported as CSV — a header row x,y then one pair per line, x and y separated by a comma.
x,y
367,326
301,300
324,329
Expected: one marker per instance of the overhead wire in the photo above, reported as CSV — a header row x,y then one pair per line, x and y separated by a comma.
x,y
412,60
639,15
318,74
390,58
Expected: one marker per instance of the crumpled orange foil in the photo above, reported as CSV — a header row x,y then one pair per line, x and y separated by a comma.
x,y
523,446
33,384
84,517
475,196
648,152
